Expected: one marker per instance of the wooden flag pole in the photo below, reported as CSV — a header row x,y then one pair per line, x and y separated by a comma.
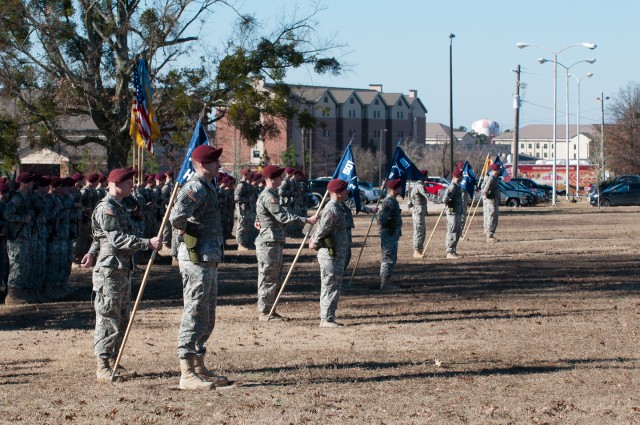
x,y
432,232
484,170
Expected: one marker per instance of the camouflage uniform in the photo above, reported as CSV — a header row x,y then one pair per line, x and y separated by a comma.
x,y
272,217
150,212
88,200
165,195
196,211
39,236
57,240
4,260
19,239
453,208
419,198
225,198
490,206
72,211
390,224
113,244
287,192
331,226
348,216
245,197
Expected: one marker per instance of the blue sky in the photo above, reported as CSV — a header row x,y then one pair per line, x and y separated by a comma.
x,y
405,45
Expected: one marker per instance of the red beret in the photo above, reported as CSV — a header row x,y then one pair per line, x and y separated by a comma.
x,y
337,186
223,179
44,181
160,176
169,174
289,170
246,171
424,172
4,187
77,176
68,182
206,154
495,167
56,181
231,180
256,176
92,177
457,173
102,177
394,184
25,177
272,171
460,165
120,175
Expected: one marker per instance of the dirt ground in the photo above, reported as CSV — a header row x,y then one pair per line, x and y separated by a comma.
x,y
540,328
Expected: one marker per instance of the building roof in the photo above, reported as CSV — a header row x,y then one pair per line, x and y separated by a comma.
x,y
545,132
368,96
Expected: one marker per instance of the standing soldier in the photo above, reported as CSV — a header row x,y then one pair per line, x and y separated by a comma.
x,y
331,241
101,189
390,224
113,244
196,218
491,202
56,241
39,237
453,208
272,218
418,198
245,197
167,190
19,215
88,199
4,260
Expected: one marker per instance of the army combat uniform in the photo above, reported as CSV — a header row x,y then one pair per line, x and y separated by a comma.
x,y
390,225
245,197
490,204
454,211
19,240
273,218
419,198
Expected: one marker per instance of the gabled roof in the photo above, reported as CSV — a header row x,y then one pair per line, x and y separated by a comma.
x,y
368,96
415,101
341,95
436,130
392,98
545,132
311,94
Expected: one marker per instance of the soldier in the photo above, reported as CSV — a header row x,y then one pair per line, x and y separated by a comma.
x,y
271,219
113,244
453,208
150,206
57,241
196,218
225,194
19,215
348,215
39,237
390,224
167,190
332,243
101,189
72,207
245,197
76,217
491,202
4,260
418,199
88,199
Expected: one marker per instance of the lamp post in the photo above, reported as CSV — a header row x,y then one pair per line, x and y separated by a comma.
x,y
601,100
578,80
382,131
566,112
451,37
521,45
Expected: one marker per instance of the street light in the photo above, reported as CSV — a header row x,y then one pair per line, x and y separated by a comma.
x,y
521,45
384,130
578,80
601,100
566,112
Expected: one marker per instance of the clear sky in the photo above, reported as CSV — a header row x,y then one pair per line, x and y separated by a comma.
x,y
404,44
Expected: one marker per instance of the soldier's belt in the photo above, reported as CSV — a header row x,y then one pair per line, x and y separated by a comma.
x,y
191,242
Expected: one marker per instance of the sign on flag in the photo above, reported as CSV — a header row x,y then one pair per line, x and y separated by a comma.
x,y
403,168
469,181
346,171
198,138
144,126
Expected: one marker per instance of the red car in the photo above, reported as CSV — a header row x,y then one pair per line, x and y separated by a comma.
x,y
435,190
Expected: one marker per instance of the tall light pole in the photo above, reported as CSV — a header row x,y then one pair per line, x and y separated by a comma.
x,y
601,100
382,131
555,53
451,37
578,80
566,112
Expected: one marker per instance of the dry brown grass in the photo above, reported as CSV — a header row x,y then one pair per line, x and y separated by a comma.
x,y
540,328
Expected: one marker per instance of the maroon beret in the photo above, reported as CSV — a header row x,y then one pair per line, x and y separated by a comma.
x,y
457,173
394,184
120,175
44,181
424,172
337,186
77,176
92,177
231,180
246,171
289,170
206,154
102,178
495,167
4,187
272,171
68,182
223,179
169,174
160,176
56,181
460,165
256,176
25,177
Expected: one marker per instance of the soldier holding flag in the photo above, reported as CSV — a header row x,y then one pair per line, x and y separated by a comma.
x,y
491,202
419,197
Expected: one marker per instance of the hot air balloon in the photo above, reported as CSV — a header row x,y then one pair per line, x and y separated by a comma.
x,y
486,127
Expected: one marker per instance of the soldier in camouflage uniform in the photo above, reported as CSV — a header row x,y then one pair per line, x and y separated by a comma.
x,y
40,235
418,199
225,195
491,202
151,205
331,240
272,218
454,211
245,197
111,250
196,217
167,190
57,238
88,199
19,215
4,260
287,192
348,216
390,225
70,205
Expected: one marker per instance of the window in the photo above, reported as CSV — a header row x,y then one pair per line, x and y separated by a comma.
x,y
326,99
544,146
400,133
351,101
545,154
537,145
376,102
256,154
574,147
521,145
530,146
574,156
325,112
400,115
376,133
399,103
326,132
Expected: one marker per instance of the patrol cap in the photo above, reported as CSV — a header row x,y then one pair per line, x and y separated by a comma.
x,y
92,177
457,173
272,171
246,171
394,184
337,186
206,154
161,177
289,170
77,177
25,177
495,167
120,175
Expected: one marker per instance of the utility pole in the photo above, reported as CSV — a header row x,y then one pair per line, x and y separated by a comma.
x,y
451,37
516,133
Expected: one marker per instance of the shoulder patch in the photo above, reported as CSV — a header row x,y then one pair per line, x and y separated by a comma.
x,y
110,211
191,194
273,201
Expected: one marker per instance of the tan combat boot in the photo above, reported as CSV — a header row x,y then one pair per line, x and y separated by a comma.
x,y
387,285
417,254
17,296
104,372
122,371
189,379
208,375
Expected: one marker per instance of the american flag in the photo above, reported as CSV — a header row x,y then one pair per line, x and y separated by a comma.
x,y
142,112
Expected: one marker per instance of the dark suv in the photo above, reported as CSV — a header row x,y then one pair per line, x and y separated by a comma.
x,y
531,184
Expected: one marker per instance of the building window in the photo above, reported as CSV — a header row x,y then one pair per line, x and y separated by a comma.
x,y
399,103
530,146
400,133
377,102
545,154
400,114
326,132
256,154
351,101
375,133
574,156
544,146
521,145
325,112
326,99
574,147
537,145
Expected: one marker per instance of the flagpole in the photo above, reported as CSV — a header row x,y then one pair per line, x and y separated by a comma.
x,y
484,170
432,232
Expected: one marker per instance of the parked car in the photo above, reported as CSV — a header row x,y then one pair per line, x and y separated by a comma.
x,y
538,194
511,196
436,179
371,194
316,190
435,190
620,194
531,184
